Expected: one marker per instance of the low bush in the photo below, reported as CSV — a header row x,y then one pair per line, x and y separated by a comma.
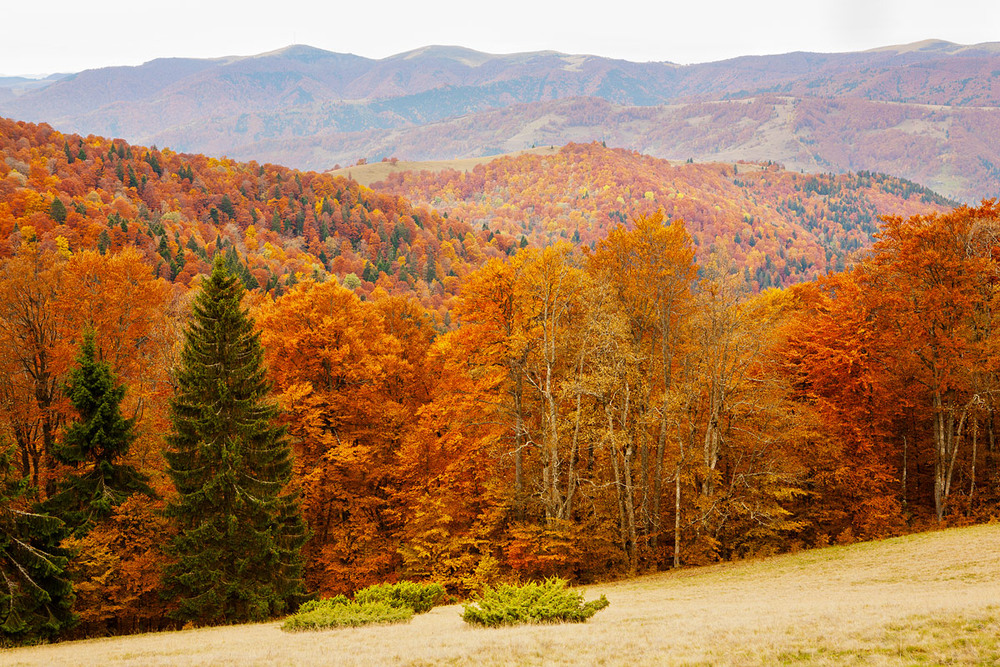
x,y
418,597
383,603
547,602
344,614
310,605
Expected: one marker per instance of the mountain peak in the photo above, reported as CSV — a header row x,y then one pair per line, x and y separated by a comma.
x,y
461,54
303,53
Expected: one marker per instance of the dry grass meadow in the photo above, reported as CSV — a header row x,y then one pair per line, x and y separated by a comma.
x,y
366,174
932,598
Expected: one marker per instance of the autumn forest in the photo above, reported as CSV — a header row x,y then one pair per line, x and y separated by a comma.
x,y
480,377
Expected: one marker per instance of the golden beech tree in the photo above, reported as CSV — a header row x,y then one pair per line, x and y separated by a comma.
x,y
117,569
455,492
899,355
32,334
935,278
651,272
342,381
833,360
750,438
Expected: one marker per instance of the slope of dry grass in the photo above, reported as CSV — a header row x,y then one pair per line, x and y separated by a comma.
x,y
932,598
366,174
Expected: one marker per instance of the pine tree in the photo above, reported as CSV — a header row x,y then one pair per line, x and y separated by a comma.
x,y
240,530
99,439
35,595
57,210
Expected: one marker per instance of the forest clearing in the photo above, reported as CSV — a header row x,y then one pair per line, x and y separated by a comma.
x,y
927,598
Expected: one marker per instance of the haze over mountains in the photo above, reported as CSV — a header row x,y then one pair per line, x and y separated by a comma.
x,y
929,112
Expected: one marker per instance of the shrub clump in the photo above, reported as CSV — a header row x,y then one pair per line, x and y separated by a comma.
x,y
383,603
547,602
339,612
418,597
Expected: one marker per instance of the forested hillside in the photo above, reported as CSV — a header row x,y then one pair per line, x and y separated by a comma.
x,y
478,412
779,227
276,225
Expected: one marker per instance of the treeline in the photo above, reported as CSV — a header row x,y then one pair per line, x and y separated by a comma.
x,y
594,414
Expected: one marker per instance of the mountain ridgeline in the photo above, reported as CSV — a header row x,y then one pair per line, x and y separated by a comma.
x,y
925,111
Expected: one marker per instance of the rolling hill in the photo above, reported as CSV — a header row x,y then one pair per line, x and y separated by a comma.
x,y
926,112
779,226
275,225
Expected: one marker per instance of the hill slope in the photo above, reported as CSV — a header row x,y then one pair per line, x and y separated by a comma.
x,y
780,226
923,598
180,209
884,110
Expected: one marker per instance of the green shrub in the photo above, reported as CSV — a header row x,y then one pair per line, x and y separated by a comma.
x,y
418,597
384,603
310,605
343,614
548,602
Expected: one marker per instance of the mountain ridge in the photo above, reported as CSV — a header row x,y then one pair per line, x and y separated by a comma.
x,y
310,108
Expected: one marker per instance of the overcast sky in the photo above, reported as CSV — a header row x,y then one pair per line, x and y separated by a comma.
x,y
72,35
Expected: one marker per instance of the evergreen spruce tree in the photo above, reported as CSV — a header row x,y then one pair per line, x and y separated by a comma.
x,y
57,210
240,530
98,440
35,594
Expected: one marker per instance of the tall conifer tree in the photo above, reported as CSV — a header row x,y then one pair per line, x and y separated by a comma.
x,y
35,594
99,439
240,530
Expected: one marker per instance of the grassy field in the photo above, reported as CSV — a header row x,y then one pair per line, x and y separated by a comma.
x,y
932,598
366,174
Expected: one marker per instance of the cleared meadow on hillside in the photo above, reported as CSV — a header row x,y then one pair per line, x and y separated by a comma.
x,y
931,598
366,174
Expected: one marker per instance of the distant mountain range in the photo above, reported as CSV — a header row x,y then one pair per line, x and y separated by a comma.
x,y
929,112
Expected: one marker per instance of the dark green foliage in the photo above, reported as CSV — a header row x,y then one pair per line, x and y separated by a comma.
x,y
340,613
57,210
239,530
547,602
239,268
103,241
35,594
226,206
96,443
154,164
418,597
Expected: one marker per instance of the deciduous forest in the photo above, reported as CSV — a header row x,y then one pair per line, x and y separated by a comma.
x,y
427,400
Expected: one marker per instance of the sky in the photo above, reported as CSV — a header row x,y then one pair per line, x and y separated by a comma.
x,y
73,35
